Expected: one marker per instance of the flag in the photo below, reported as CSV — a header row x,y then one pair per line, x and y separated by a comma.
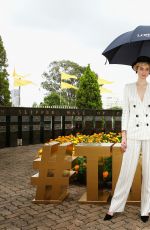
x,y
15,75
67,76
65,85
104,90
102,81
21,82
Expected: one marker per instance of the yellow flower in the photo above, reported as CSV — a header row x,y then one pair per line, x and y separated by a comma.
x,y
40,151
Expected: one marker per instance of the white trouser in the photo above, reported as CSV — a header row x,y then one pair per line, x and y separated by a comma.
x,y
126,176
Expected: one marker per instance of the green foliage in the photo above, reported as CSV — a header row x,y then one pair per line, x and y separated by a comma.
x,y
4,83
53,99
108,167
88,95
52,78
34,105
81,173
115,108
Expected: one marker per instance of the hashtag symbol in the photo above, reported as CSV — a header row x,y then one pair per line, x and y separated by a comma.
x,y
50,181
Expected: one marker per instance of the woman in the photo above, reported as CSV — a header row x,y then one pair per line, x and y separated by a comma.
x,y
135,136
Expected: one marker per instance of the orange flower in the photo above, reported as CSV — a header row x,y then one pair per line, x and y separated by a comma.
x,y
105,174
76,167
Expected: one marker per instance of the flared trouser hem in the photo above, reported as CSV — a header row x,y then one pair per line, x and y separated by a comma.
x,y
126,176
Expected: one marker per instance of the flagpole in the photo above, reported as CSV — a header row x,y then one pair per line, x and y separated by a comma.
x,y
60,91
65,76
18,82
60,96
19,95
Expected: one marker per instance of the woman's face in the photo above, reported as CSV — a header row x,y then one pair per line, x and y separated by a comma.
x,y
143,71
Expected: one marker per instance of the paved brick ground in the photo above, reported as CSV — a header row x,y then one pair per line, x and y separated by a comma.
x,y
18,212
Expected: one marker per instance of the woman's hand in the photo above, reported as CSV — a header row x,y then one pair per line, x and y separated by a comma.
x,y
124,144
124,140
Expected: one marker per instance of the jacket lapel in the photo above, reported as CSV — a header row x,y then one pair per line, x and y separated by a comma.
x,y
145,94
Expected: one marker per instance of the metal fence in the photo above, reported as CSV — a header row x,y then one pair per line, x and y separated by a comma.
x,y
24,126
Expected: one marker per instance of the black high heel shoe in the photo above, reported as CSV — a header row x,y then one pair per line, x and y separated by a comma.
x,y
144,218
108,216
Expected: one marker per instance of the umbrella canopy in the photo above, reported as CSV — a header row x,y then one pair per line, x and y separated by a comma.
x,y
126,48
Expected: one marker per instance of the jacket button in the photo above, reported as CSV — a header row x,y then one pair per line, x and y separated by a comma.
x,y
134,105
137,125
146,115
148,105
137,115
147,124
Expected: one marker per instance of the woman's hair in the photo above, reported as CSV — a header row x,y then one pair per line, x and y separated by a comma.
x,y
135,67
141,60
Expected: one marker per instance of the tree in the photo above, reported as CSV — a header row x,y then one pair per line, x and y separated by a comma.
x,y
4,83
53,99
34,105
88,94
52,78
115,107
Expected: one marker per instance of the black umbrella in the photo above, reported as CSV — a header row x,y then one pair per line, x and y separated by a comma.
x,y
126,48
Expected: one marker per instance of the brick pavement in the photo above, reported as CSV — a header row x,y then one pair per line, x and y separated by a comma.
x,y
18,212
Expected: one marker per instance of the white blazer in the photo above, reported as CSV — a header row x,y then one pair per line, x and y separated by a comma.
x,y
136,113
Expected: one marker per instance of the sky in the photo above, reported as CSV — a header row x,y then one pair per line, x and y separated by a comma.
x,y
38,32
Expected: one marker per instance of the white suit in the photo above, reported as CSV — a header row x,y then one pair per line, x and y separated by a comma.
x,y
136,113
136,121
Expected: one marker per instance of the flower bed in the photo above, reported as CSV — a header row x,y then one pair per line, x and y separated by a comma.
x,y
79,165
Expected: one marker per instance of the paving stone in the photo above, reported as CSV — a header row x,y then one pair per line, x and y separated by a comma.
x,y
82,211
42,228
60,220
91,224
78,222
146,228
91,214
53,216
2,218
5,212
12,228
61,225
118,224
17,211
50,223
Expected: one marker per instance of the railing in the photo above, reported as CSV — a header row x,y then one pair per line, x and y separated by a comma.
x,y
24,126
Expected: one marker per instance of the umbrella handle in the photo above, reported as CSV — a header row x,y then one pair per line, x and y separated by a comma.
x,y
106,61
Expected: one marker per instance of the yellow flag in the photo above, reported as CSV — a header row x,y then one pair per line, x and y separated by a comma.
x,y
21,82
65,85
104,90
67,76
103,81
15,75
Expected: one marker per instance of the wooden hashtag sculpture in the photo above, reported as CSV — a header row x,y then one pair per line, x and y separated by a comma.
x,y
54,167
